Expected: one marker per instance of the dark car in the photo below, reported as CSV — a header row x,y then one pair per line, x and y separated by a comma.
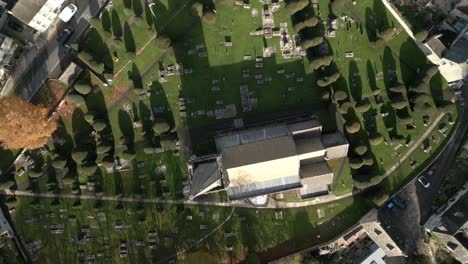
x,y
65,35
399,202
15,26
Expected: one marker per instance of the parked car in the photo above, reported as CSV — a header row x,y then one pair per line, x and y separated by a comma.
x,y
68,12
399,202
424,182
65,35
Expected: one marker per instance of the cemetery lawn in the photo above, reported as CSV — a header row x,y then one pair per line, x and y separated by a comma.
x,y
94,224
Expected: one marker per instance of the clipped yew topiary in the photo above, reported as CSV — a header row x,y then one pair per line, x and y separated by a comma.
x,y
360,150
355,163
309,43
76,99
328,80
352,127
344,107
375,138
421,35
103,149
160,126
82,87
340,95
79,156
363,106
399,103
295,6
99,125
398,89
163,42
310,22
325,96
59,163
319,62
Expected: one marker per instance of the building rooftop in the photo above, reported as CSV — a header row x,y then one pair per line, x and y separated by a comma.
x,y
258,152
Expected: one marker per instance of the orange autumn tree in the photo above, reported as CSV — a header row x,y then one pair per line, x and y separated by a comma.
x,y
23,125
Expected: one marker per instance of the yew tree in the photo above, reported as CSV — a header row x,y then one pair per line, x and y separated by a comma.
x,y
23,125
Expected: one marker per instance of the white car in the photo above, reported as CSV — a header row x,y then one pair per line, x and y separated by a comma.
x,y
424,182
68,12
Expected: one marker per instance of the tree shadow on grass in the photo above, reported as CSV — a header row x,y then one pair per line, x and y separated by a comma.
x,y
135,76
407,51
137,8
116,24
389,70
381,17
371,75
128,3
129,41
81,128
355,81
126,127
390,120
147,124
437,91
149,17
118,188
106,21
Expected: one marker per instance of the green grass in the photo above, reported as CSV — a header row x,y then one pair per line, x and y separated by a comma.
x,y
256,230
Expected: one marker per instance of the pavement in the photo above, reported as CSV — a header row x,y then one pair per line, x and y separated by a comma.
x,y
404,225
51,60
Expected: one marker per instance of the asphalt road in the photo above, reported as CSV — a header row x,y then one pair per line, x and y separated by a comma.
x,y
54,58
404,225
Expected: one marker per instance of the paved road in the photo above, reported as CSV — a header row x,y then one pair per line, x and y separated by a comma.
x,y
54,58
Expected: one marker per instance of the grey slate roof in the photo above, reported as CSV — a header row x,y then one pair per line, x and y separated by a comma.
x,y
205,174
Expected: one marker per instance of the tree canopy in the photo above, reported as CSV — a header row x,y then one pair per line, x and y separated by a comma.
x,y
24,125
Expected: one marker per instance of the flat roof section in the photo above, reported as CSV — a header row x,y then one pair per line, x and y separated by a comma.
x,y
27,9
333,139
258,152
308,145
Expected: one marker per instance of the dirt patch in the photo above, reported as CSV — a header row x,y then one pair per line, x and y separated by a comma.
x,y
117,93
51,94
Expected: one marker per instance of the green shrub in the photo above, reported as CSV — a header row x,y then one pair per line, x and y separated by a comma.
x,y
337,5
310,22
85,56
76,99
360,150
423,87
398,141
387,34
380,198
163,42
344,107
309,43
398,89
375,139
421,99
168,142
325,96
352,127
367,161
36,174
6,184
126,155
432,70
376,91
103,149
160,126
79,156
197,9
340,95
209,17
59,163
328,80
363,106
295,6
89,117
82,87
319,62
88,170
421,35
399,103
99,125
355,163
150,150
